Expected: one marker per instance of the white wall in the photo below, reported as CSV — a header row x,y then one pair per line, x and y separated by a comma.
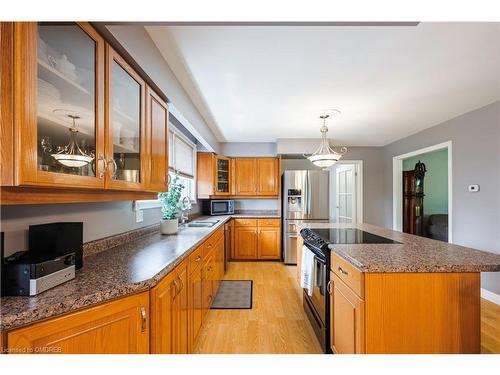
x,y
373,172
138,43
242,149
476,160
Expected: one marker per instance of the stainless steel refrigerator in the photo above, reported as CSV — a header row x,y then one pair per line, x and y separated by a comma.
x,y
305,197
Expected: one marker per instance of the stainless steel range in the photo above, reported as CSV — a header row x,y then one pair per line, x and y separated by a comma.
x,y
317,306
305,197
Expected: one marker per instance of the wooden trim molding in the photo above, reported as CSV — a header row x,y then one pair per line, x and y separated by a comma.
x,y
6,103
28,195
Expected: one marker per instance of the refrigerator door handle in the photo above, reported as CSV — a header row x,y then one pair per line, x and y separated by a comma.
x,y
309,195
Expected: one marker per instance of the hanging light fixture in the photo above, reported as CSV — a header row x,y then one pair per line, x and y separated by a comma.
x,y
325,156
72,155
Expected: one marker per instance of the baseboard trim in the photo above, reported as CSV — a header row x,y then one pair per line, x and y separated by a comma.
x,y
490,296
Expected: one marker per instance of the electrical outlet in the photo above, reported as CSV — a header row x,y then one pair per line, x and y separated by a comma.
x,y
139,216
473,188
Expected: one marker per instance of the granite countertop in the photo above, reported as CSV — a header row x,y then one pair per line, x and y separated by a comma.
x,y
413,254
135,265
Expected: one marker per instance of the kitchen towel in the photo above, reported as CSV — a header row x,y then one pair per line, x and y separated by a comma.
x,y
307,270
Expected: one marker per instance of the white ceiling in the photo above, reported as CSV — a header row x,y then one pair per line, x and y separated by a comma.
x,y
261,83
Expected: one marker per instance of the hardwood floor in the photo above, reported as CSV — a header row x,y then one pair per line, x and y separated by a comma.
x,y
490,327
276,324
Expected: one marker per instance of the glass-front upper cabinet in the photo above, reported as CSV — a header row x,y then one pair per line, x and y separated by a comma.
x,y
64,137
222,175
126,147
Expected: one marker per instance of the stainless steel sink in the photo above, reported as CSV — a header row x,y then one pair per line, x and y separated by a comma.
x,y
202,224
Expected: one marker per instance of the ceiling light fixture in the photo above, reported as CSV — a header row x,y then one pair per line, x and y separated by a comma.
x,y
325,156
72,155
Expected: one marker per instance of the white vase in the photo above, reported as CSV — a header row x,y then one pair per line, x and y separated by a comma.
x,y
169,226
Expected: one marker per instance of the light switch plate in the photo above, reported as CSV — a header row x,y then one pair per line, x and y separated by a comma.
x,y
473,188
139,216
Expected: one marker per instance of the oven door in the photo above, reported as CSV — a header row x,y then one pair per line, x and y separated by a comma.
x,y
318,299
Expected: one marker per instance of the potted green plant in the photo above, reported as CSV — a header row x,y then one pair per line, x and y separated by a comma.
x,y
170,205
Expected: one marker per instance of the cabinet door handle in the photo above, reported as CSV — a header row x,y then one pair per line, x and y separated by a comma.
x,y
181,285
329,287
143,319
342,271
104,168
197,259
174,284
115,167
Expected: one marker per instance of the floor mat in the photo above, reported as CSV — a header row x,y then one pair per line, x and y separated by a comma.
x,y
234,294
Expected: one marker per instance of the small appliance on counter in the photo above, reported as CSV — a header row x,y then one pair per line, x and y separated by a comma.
x,y
58,239
55,253
218,207
28,274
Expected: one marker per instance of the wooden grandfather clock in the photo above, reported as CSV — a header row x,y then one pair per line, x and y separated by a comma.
x,y
413,200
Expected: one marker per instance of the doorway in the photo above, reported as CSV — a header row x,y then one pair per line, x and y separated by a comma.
x,y
346,192
435,215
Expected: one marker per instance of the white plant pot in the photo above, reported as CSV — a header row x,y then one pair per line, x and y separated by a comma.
x,y
169,226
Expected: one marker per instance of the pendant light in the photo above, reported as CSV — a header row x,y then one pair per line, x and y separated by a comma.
x,y
72,155
325,156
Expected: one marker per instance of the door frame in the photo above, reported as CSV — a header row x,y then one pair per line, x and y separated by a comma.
x,y
359,185
397,185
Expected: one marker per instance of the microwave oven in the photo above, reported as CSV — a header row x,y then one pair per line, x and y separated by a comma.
x,y
218,207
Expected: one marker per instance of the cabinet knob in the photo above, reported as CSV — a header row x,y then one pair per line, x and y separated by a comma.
x,y
197,259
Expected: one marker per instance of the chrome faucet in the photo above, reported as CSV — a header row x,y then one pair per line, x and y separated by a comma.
x,y
185,207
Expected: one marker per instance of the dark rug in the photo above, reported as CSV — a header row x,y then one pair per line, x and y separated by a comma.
x,y
234,294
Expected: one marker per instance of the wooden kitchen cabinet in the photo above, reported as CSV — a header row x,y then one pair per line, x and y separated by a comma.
x,y
169,313
347,317
58,95
267,176
257,239
256,177
62,84
403,313
245,243
127,150
157,139
195,301
214,175
269,243
245,176
207,292
117,327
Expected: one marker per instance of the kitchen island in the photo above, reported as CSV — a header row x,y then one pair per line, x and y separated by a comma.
x,y
414,296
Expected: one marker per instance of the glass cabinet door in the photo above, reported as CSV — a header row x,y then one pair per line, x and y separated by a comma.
x,y
126,125
67,135
222,183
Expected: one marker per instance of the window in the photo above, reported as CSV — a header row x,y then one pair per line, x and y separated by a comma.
x,y
181,160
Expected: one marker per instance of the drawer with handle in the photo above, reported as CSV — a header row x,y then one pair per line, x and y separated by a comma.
x,y
195,258
211,243
269,222
349,274
245,222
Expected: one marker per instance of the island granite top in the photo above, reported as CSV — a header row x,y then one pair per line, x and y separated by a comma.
x,y
413,254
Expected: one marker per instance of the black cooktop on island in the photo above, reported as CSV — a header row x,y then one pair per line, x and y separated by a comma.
x,y
350,236
318,239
